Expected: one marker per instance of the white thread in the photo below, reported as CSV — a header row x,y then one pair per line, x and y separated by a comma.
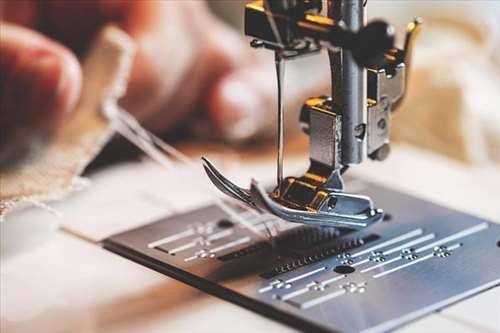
x,y
155,148
38,203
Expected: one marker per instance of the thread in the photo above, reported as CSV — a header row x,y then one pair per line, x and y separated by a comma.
x,y
158,150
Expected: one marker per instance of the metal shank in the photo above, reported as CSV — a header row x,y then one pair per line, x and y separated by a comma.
x,y
349,84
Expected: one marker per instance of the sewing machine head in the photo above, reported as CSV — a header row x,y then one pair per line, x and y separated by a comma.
x,y
369,78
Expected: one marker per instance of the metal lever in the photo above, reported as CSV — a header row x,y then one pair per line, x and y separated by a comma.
x,y
412,31
297,30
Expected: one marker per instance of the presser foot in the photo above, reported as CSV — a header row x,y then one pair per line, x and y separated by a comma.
x,y
303,200
226,186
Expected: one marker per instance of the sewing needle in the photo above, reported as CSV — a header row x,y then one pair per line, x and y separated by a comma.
x,y
280,73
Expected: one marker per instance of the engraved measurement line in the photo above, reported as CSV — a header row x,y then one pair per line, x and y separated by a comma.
x,y
266,288
192,230
309,286
395,249
231,244
257,220
452,237
461,234
219,235
430,255
350,287
381,264
321,299
219,248
413,233
298,277
182,248
411,243
171,238
416,261
200,240
290,280
360,262
293,294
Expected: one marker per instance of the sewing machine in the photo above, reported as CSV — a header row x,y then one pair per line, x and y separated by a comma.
x,y
343,265
369,76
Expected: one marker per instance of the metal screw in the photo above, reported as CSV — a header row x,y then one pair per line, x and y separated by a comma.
x,y
332,202
256,43
382,124
360,131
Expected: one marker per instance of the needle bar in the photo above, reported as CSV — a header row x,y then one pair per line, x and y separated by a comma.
x,y
280,73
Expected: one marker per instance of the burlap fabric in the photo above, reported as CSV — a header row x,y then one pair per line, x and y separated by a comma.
x,y
55,170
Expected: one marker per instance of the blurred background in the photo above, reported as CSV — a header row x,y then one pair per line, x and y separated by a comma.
x,y
453,104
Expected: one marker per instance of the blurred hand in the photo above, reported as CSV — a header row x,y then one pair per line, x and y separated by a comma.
x,y
186,60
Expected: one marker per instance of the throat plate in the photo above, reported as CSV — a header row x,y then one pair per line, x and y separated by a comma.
x,y
422,259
